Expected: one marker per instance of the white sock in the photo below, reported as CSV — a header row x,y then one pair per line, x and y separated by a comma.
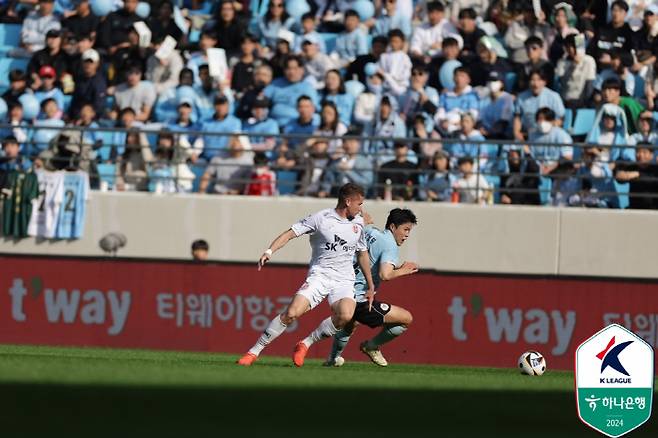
x,y
326,329
272,332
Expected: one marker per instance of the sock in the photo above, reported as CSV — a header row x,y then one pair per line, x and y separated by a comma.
x,y
340,342
388,333
272,332
326,329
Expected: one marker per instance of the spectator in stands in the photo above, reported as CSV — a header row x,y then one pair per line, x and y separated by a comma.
x,y
243,71
450,48
82,21
305,124
230,173
86,119
136,94
564,20
128,121
498,111
576,73
132,166
262,78
17,86
50,117
427,39
391,18
18,126
366,103
472,187
419,98
268,27
281,52
356,67
401,173
596,181
200,250
313,162
520,184
229,28
470,33
127,57
534,47
470,145
616,35
209,146
351,167
207,40
645,132
646,43
642,177
611,65
395,65
334,91
52,55
422,128
352,42
388,124
261,126
453,102
90,86
47,89
317,64
489,61
161,171
163,72
284,92
11,158
113,31
520,30
528,103
438,181
262,181
548,132
307,22
162,23
331,126
184,125
610,132
37,24
611,93
209,89
77,47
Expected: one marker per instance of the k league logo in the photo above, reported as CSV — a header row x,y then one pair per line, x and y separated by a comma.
x,y
614,381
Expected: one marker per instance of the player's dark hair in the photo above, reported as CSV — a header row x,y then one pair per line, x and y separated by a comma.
x,y
348,190
200,244
399,216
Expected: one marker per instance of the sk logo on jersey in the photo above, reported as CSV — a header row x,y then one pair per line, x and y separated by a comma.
x,y
333,246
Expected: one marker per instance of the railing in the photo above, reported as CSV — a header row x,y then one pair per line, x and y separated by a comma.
x,y
102,152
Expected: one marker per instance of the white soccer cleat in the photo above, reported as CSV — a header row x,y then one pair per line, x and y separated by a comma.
x,y
375,355
338,362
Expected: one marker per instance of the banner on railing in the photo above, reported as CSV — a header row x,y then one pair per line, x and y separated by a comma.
x,y
458,319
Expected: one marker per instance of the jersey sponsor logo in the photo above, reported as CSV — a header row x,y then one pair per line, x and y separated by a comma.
x,y
384,307
337,243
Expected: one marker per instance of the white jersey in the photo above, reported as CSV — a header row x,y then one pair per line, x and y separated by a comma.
x,y
334,241
45,208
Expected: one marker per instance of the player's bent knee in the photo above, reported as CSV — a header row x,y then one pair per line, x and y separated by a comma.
x,y
341,319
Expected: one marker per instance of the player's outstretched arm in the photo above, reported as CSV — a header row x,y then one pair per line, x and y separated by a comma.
x,y
276,245
364,262
388,272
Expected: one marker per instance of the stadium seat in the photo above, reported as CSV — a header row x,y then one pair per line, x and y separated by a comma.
x,y
67,102
106,172
198,171
10,37
583,121
286,181
329,41
568,119
9,64
622,194
638,92
545,186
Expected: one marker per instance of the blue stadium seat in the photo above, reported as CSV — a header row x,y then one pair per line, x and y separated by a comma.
x,y
67,102
106,172
622,194
583,121
9,64
10,36
568,119
198,170
329,41
195,35
638,92
545,186
286,181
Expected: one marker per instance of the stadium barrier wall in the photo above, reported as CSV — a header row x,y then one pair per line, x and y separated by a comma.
x,y
459,319
450,237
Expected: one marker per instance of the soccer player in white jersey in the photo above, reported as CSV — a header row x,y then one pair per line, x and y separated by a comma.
x,y
383,250
336,235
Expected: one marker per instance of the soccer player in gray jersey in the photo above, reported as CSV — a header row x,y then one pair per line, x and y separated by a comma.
x,y
383,250
336,236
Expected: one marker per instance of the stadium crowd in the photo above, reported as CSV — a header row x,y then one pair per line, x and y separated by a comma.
x,y
475,101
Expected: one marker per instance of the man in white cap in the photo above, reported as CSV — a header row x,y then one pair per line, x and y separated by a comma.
x,y
90,85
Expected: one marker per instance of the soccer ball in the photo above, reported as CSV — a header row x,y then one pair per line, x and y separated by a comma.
x,y
532,363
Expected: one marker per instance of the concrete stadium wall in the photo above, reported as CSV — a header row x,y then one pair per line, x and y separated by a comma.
x,y
495,239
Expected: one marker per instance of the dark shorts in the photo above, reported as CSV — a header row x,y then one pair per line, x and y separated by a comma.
x,y
373,318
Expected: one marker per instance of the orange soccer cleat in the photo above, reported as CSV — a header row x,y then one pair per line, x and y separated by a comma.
x,y
247,359
299,354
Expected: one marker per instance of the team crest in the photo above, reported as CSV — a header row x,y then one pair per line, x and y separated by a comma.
x,y
355,229
384,307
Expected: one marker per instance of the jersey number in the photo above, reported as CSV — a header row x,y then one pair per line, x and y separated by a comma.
x,y
69,198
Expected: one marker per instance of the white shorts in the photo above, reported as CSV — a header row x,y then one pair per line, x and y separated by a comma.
x,y
316,288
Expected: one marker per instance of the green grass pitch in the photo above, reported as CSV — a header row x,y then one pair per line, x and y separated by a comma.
x,y
90,392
